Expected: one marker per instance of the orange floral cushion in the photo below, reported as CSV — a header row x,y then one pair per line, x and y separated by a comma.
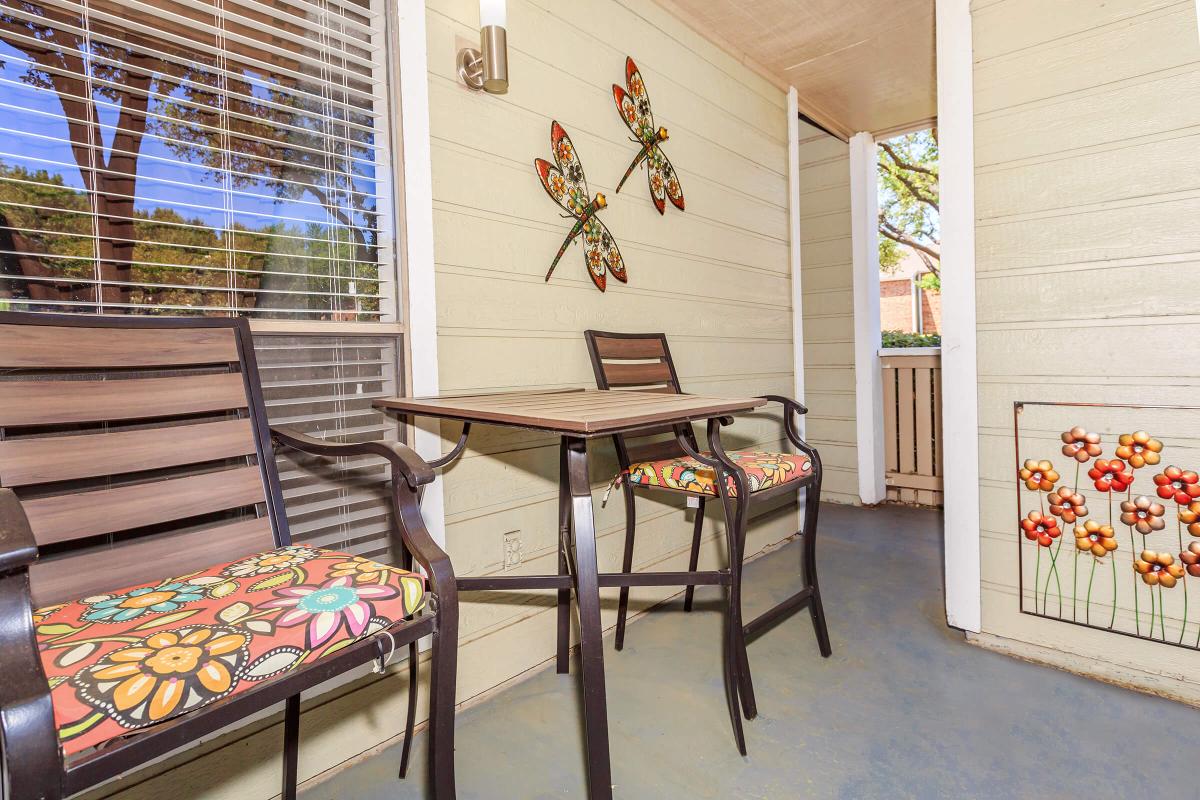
x,y
686,474
121,661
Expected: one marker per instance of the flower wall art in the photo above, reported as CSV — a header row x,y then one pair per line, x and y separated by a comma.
x,y
1108,517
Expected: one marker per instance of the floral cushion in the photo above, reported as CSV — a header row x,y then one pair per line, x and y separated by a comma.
x,y
122,661
686,474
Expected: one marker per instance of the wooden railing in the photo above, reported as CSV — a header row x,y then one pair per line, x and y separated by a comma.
x,y
912,423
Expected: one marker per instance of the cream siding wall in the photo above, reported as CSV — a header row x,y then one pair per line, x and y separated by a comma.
x,y
1087,151
715,279
827,282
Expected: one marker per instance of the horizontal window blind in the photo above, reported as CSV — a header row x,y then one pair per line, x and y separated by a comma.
x,y
324,386
203,156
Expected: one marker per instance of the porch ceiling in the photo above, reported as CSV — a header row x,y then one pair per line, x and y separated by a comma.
x,y
858,65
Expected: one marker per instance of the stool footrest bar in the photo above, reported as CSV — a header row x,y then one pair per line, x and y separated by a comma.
x,y
767,619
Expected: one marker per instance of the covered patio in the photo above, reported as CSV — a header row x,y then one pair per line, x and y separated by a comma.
x,y
905,708
367,365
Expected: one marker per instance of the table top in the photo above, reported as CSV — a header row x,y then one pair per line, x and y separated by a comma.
x,y
574,412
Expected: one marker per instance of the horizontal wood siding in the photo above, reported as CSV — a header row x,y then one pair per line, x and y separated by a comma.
x,y
715,278
827,282
1087,149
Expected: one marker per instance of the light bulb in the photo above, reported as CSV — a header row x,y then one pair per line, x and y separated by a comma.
x,y
492,12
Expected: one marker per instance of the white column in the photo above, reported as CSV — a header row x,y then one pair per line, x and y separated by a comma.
x,y
417,227
868,384
793,120
960,394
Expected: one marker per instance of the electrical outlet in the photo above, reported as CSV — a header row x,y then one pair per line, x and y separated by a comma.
x,y
513,554
693,501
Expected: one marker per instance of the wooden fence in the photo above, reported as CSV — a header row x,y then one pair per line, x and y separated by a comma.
x,y
912,422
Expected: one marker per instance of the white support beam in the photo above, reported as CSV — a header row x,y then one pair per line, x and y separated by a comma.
x,y
868,383
793,120
417,227
960,392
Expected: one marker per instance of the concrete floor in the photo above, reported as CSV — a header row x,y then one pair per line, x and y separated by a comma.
x,y
903,709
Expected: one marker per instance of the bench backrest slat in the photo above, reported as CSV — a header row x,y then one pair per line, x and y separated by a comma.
x,y
138,446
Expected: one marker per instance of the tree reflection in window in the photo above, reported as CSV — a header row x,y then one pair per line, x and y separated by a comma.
x,y
177,157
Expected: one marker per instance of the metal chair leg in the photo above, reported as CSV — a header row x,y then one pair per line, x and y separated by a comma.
x,y
694,560
442,686
411,721
626,562
291,745
733,626
812,503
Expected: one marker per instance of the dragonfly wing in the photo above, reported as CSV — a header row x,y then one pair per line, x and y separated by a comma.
x,y
671,181
593,251
563,180
656,177
611,253
633,104
567,159
642,125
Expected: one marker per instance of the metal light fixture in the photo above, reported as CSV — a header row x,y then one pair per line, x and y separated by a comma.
x,y
487,68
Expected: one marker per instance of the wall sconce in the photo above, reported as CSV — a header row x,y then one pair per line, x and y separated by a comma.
x,y
487,68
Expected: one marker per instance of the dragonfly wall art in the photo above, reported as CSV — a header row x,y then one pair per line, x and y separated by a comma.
x,y
634,107
565,183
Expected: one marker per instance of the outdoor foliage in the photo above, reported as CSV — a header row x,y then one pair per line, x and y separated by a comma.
x,y
906,339
908,203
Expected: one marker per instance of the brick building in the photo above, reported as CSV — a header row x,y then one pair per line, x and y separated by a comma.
x,y
900,298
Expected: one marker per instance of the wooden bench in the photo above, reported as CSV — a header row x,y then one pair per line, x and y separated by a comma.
x,y
150,591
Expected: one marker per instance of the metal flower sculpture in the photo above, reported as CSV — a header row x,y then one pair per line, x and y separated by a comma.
x,y
565,183
634,108
1139,449
1080,444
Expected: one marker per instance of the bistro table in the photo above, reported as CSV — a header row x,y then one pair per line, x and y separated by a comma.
x,y
577,415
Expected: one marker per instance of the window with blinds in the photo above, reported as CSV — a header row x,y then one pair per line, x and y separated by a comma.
x,y
214,156
324,386
218,157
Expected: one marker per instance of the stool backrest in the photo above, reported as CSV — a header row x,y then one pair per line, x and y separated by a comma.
x,y
639,362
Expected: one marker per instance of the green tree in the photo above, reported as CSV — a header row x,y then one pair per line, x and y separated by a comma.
x,y
908,203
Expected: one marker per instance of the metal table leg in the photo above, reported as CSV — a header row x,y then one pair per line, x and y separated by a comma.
x,y
587,594
564,535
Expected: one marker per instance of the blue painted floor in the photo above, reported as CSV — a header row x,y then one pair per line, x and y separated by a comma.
x,y
903,709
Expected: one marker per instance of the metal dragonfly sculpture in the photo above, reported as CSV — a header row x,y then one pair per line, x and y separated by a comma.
x,y
634,107
565,183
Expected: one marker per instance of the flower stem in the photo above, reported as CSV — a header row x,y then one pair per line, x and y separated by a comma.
x,y
1057,578
1162,614
1112,620
1183,580
1075,570
1137,612
1088,608
1037,572
1075,587
1151,612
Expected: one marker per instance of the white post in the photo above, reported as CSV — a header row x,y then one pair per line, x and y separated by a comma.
x,y
868,383
793,112
418,243
960,393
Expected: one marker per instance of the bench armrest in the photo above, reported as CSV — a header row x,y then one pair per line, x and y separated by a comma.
x,y
32,762
415,470
18,549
